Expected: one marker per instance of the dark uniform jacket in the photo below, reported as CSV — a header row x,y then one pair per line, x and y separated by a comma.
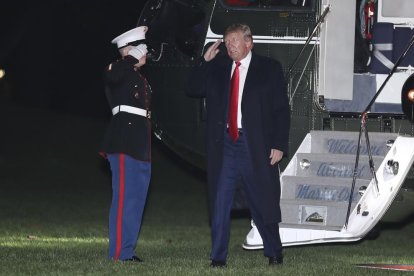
x,y
127,133
265,122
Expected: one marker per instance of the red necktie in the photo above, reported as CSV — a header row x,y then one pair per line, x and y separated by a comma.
x,y
234,98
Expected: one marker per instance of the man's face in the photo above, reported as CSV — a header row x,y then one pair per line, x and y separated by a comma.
x,y
237,46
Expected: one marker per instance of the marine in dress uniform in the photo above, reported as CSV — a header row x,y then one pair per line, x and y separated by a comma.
x,y
127,143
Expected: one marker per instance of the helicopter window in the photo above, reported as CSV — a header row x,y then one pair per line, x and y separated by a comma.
x,y
176,24
266,4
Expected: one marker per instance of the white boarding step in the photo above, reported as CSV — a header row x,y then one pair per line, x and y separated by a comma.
x,y
327,215
333,165
329,189
346,142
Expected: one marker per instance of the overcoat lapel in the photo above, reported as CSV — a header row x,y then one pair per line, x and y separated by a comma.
x,y
251,77
226,85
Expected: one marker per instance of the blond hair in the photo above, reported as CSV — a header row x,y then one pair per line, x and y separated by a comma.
x,y
243,28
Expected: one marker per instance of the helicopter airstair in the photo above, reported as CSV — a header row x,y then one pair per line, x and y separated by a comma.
x,y
317,183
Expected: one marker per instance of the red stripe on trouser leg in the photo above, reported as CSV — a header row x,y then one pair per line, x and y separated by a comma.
x,y
120,206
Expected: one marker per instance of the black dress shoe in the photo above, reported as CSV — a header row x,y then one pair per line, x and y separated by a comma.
x,y
134,259
218,264
277,260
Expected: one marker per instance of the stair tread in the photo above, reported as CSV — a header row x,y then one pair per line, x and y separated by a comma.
x,y
314,227
346,142
326,165
320,188
350,157
330,203
324,178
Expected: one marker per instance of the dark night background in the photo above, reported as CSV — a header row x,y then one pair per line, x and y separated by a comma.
x,y
54,52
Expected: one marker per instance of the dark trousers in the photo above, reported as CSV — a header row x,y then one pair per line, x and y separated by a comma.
x,y
237,163
130,181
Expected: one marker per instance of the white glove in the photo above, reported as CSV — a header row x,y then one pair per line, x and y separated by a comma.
x,y
138,51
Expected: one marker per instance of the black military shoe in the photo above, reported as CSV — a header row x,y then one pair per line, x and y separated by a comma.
x,y
134,259
218,264
276,260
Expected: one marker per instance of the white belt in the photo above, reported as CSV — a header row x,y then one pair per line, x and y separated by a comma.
x,y
131,109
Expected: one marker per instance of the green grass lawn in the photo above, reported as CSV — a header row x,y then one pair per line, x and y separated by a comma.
x,y
54,201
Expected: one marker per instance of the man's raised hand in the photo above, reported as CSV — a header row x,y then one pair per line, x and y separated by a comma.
x,y
212,51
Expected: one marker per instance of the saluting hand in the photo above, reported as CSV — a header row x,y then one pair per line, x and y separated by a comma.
x,y
212,51
138,51
275,156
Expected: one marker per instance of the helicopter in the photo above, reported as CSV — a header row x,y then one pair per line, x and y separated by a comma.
x,y
348,67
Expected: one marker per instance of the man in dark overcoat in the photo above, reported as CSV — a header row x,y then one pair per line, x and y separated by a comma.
x,y
258,144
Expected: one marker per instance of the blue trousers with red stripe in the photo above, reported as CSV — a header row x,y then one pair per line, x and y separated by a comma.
x,y
130,181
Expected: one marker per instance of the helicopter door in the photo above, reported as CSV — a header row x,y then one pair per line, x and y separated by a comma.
x,y
345,85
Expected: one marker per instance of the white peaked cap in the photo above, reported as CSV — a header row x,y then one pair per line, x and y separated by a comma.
x,y
135,34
